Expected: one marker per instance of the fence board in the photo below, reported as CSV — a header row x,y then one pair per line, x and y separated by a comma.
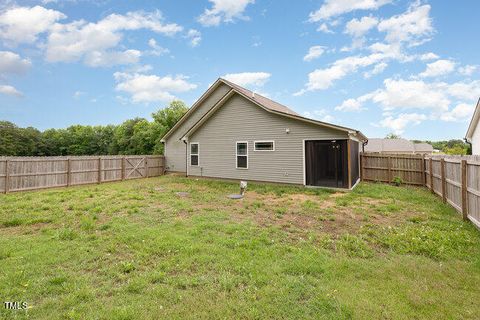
x,y
30,173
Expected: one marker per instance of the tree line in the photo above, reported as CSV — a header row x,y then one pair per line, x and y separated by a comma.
x,y
134,136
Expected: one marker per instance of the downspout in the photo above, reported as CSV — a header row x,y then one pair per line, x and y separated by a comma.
x,y
364,143
186,157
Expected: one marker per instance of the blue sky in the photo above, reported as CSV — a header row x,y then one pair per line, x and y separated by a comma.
x,y
380,66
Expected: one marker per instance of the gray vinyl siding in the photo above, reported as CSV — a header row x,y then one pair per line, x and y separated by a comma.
x,y
241,120
174,148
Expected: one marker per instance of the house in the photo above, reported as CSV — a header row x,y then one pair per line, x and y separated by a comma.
x,y
398,146
234,133
473,132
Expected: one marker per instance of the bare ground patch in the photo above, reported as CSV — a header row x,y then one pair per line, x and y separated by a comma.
x,y
304,213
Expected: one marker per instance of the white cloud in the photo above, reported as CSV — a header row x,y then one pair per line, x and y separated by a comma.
x,y
246,79
314,53
194,36
321,79
332,8
157,50
413,26
461,112
414,94
324,28
399,123
23,24
350,105
108,59
357,28
468,70
428,56
10,91
379,68
95,43
224,11
78,94
151,88
321,115
12,63
438,68
467,91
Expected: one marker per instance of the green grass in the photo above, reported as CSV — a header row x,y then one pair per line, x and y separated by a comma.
x,y
131,251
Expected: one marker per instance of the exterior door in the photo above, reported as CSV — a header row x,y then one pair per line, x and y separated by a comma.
x,y
326,163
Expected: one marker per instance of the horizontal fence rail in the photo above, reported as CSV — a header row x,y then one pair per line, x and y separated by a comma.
x,y
456,179
30,173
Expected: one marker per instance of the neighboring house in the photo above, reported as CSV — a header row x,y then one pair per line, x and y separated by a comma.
x,y
234,133
473,132
398,146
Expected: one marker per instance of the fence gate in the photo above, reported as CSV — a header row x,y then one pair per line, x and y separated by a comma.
x,y
136,168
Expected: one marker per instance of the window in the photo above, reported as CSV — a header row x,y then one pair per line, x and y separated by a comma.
x,y
242,155
264,146
194,154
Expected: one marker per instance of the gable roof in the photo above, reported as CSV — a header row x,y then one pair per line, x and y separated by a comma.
x,y
264,101
473,123
396,145
261,101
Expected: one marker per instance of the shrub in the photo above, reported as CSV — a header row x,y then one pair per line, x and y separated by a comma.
x,y
127,267
397,181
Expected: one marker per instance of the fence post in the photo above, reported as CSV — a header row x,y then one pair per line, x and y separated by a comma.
x,y
123,169
68,172
431,174
389,159
361,166
99,178
424,179
146,166
464,190
444,191
7,175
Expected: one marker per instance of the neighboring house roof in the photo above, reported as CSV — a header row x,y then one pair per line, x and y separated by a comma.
x,y
473,123
397,145
423,147
263,102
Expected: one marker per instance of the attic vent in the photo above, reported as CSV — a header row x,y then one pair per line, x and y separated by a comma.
x,y
253,95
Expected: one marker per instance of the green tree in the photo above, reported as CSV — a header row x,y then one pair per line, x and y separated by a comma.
x,y
123,134
392,136
167,117
7,138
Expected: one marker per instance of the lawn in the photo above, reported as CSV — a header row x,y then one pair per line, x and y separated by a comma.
x,y
136,250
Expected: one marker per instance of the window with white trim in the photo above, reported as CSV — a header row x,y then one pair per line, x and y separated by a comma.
x,y
242,155
264,145
194,154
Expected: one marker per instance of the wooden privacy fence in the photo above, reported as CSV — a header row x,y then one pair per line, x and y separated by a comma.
x,y
456,179
384,167
29,173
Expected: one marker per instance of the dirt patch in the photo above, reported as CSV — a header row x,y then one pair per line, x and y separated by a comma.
x,y
308,213
338,195
24,229
301,213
